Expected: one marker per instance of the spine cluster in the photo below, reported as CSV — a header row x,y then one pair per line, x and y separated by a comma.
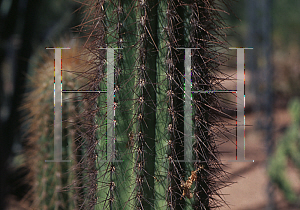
x,y
148,167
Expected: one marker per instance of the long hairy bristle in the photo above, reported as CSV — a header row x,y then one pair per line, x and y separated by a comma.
x,y
149,170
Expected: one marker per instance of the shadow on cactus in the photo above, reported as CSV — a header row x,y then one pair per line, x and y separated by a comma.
x,y
144,143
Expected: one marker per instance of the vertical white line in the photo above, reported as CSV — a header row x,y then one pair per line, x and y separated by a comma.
x,y
241,105
110,105
57,107
188,155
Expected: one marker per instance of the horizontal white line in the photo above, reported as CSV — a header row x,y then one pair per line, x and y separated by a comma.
x,y
84,91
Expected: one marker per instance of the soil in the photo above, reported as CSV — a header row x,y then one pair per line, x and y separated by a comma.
x,y
249,191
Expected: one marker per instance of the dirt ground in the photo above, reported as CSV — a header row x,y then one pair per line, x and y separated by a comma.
x,y
249,191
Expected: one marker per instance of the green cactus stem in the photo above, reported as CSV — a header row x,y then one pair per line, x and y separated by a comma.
x,y
54,185
149,171
138,144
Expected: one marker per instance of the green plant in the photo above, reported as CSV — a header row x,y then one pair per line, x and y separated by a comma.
x,y
51,181
149,104
149,170
287,149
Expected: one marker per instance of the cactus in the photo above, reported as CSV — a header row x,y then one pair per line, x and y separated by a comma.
x,y
142,127
148,171
52,182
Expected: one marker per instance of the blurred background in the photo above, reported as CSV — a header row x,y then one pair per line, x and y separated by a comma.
x,y
27,27
271,27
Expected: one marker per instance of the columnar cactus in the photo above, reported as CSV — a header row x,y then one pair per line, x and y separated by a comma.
x,y
51,181
140,162
144,142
